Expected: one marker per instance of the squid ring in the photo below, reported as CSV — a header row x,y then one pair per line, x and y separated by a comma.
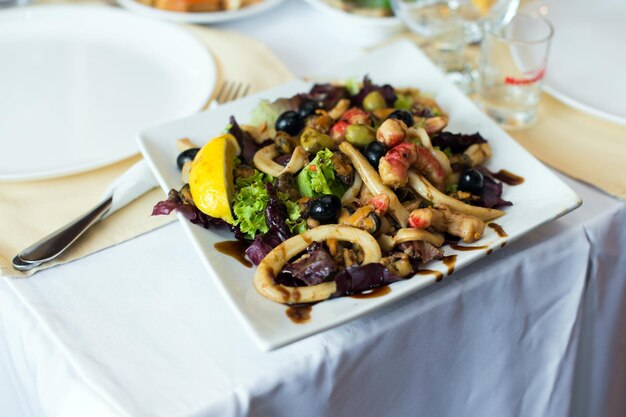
x,y
410,235
274,262
297,162
264,161
432,194
354,189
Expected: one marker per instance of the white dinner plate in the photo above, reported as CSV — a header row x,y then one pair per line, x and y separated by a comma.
x,y
357,28
78,82
541,198
199,17
587,62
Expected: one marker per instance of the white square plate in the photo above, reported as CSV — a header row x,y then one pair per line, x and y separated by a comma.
x,y
540,199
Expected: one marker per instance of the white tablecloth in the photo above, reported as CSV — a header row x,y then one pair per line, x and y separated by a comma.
x,y
536,329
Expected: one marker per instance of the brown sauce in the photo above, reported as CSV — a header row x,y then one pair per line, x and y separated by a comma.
x,y
438,275
503,244
284,293
499,230
234,249
376,292
450,262
490,251
508,177
299,313
467,248
295,293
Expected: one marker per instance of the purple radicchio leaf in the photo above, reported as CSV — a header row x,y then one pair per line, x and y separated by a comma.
x,y
190,212
246,142
491,195
316,267
262,245
457,142
361,278
276,214
387,91
326,95
283,159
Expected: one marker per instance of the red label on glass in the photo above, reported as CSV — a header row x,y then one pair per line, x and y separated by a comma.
x,y
524,81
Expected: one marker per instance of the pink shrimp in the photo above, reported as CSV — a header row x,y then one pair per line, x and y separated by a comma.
x,y
393,167
428,165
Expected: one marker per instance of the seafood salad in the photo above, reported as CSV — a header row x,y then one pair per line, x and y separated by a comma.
x,y
339,190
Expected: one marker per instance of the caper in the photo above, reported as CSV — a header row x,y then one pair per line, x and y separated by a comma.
x,y
374,101
360,135
313,141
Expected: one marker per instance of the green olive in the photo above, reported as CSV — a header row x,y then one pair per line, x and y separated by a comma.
x,y
374,101
313,141
360,135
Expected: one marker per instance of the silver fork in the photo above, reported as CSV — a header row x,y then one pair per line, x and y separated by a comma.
x,y
229,91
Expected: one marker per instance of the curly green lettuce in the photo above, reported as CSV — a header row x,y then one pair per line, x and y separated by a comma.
x,y
249,203
353,86
295,222
318,177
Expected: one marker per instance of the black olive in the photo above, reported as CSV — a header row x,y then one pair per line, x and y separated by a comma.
x,y
374,152
403,115
185,156
289,122
325,208
308,108
472,181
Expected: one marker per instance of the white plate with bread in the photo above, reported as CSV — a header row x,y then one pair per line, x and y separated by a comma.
x,y
199,11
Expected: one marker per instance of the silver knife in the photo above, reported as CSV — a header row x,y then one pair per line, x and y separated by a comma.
x,y
127,187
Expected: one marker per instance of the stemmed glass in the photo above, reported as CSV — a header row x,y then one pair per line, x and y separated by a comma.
x,y
449,26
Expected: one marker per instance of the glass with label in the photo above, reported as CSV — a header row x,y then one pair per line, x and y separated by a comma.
x,y
512,65
449,26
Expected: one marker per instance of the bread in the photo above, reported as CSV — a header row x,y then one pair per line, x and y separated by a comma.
x,y
198,5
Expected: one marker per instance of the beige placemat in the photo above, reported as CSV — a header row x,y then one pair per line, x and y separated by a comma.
x,y
31,210
578,144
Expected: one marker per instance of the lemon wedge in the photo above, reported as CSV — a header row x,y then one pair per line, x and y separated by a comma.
x,y
211,177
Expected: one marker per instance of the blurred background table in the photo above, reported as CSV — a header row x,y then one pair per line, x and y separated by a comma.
x,y
538,328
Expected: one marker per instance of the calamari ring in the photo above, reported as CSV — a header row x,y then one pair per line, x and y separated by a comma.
x,y
264,161
353,191
274,262
410,235
299,158
432,194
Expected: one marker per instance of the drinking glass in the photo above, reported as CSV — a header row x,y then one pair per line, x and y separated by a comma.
x,y
512,66
449,26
